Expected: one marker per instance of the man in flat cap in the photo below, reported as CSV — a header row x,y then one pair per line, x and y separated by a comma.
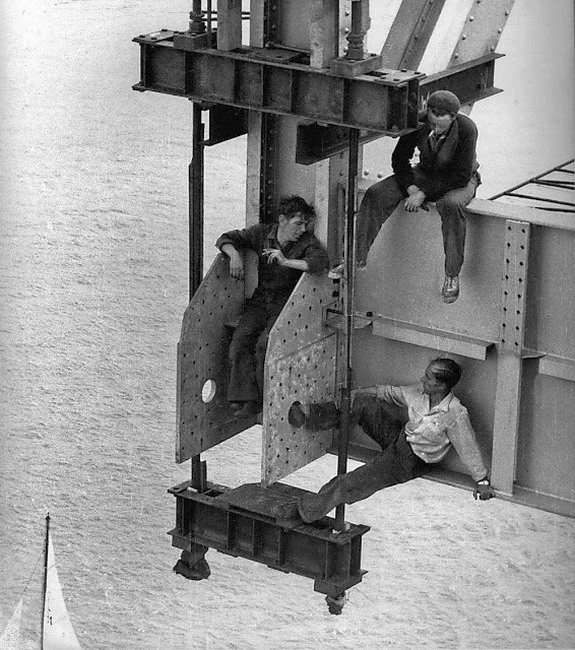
x,y
446,174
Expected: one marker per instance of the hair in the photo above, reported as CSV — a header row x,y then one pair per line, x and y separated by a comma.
x,y
449,373
289,206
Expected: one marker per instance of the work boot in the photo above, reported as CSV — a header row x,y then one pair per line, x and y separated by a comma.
x,y
287,513
312,507
450,290
316,417
337,272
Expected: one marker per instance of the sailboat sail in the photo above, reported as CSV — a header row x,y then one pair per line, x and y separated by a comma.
x,y
57,630
10,639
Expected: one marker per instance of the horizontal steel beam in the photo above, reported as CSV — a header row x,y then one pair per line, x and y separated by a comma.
x,y
239,522
471,82
281,82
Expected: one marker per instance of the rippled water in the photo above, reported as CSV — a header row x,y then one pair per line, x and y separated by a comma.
x,y
93,284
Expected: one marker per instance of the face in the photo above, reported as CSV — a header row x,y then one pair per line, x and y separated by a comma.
x,y
439,120
292,227
432,385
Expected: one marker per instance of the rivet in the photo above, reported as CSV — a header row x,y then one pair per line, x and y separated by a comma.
x,y
471,18
463,37
345,49
456,56
380,175
346,13
366,172
346,30
492,48
499,31
507,13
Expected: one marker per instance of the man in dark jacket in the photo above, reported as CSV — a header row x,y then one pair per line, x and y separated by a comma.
x,y
285,250
446,173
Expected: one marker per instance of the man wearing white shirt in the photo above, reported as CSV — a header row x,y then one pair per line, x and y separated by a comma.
x,y
414,425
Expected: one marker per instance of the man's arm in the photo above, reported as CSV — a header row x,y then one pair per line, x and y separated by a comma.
x,y
464,158
401,162
388,393
275,256
231,242
236,261
462,436
314,255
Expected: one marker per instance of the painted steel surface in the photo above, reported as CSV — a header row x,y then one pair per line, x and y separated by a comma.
x,y
204,417
301,364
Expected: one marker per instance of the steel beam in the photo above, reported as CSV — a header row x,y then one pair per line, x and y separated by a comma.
x,y
471,82
277,81
239,522
511,352
410,33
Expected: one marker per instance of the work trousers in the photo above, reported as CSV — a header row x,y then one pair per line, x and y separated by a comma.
x,y
247,351
382,198
396,463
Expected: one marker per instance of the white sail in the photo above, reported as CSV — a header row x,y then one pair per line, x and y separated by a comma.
x,y
10,639
57,630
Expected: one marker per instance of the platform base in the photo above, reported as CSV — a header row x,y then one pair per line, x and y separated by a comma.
x,y
239,522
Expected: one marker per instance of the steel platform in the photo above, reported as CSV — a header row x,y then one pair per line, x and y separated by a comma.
x,y
239,522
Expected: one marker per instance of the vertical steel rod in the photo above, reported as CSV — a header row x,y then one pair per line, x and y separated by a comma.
x,y
196,239
349,309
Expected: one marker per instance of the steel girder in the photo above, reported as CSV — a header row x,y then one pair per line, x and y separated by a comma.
x,y
280,82
238,522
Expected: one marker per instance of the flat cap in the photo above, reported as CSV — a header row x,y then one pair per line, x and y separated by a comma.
x,y
444,100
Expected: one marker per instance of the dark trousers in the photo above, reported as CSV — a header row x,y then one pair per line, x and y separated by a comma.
x,y
382,198
396,463
247,352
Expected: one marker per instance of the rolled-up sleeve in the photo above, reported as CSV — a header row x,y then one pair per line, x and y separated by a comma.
x,y
251,237
315,255
462,437
391,394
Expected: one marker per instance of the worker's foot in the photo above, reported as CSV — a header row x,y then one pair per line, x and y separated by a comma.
x,y
248,408
200,570
287,512
338,272
316,417
450,290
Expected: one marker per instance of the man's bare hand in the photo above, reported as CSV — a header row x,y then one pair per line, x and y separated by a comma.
x,y
274,255
414,201
237,266
483,492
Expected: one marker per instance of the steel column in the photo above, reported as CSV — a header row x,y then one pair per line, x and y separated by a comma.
x,y
509,364
349,243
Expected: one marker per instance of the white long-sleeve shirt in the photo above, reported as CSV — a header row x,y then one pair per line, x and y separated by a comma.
x,y
432,431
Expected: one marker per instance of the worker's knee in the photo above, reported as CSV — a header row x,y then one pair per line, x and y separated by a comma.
x,y
451,205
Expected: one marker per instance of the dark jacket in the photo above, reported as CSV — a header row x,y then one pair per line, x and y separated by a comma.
x,y
450,167
275,283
